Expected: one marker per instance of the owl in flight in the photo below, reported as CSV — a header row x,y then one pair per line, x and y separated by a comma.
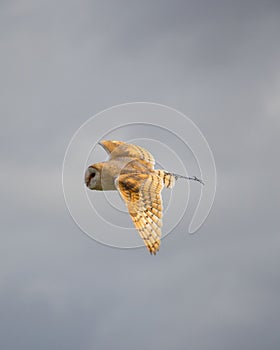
x,y
130,170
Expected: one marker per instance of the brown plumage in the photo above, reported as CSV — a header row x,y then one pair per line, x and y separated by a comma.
x,y
141,193
130,170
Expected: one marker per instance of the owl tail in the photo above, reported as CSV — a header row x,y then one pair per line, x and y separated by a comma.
x,y
170,178
167,178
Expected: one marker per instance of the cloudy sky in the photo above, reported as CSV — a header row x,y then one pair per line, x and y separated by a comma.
x,y
215,61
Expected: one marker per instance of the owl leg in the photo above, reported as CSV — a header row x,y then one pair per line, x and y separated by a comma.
x,y
187,178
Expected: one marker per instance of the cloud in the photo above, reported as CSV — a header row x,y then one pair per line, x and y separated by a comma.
x,y
217,63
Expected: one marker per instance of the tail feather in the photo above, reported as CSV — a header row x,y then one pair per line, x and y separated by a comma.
x,y
167,178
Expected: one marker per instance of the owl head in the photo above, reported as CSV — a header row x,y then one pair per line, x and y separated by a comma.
x,y
93,177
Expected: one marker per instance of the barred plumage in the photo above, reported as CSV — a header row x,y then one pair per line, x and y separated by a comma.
x,y
141,193
167,178
130,170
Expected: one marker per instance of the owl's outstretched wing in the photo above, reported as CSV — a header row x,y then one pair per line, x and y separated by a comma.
x,y
122,149
141,193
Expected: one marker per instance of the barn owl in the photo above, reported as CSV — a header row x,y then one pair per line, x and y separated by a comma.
x,y
130,170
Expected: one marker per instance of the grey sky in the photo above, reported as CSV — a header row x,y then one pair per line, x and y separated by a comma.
x,y
217,62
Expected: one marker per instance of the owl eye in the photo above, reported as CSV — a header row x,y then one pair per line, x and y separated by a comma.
x,y
93,175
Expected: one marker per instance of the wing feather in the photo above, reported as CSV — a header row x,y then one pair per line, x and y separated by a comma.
x,y
121,149
142,195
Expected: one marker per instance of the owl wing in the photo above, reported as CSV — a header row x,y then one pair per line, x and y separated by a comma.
x,y
122,149
142,195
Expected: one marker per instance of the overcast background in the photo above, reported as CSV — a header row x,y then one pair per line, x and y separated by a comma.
x,y
217,62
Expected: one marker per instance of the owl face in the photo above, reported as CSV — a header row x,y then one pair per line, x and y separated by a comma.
x,y
93,178
101,176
